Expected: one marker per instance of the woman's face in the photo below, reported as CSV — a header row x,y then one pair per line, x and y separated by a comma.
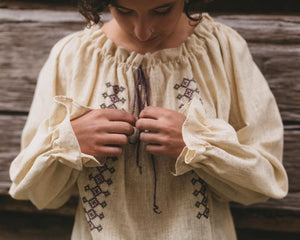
x,y
148,23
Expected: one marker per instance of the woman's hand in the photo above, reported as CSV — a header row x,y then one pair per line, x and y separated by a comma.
x,y
103,132
162,131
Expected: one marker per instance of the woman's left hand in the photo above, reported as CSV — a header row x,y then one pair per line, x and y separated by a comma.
x,y
161,131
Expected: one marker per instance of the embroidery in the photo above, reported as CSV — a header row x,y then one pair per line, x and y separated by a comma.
x,y
202,199
96,193
113,95
186,90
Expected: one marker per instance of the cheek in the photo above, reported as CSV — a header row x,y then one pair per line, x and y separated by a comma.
x,y
167,25
170,22
125,25
123,22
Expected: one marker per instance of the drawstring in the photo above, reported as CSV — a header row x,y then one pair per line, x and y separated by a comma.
x,y
155,207
141,88
140,101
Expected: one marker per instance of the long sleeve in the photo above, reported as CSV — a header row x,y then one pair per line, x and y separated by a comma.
x,y
241,159
46,170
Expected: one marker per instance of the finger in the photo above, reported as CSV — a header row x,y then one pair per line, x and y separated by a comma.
x,y
120,127
156,149
151,112
118,115
109,151
113,140
147,124
151,138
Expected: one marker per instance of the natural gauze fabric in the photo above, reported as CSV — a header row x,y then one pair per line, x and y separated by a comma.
x,y
233,135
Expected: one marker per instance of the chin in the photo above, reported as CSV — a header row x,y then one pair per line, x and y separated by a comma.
x,y
151,44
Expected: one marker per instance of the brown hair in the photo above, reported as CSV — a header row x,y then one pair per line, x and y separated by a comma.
x,y
92,9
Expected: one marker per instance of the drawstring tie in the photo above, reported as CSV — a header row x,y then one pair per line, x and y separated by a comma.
x,y
140,101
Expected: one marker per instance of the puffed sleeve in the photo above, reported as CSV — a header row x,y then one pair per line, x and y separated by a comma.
x,y
240,159
46,169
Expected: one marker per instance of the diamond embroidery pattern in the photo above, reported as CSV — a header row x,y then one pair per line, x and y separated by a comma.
x,y
200,193
96,194
112,96
186,90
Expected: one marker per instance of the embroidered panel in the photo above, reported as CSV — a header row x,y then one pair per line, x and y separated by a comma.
x,y
97,192
201,195
186,91
113,97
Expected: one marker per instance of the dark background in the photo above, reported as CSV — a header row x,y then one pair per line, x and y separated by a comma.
x,y
232,6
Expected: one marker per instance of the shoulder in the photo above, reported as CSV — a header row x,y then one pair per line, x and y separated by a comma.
x,y
221,42
214,32
71,53
78,43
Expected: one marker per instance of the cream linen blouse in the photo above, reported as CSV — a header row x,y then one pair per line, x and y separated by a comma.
x,y
233,135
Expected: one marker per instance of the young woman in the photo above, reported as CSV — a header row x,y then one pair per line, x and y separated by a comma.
x,y
158,119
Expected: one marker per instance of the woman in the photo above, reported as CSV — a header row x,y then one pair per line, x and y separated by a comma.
x,y
158,119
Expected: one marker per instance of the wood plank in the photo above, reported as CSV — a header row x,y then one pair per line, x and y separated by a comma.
x,y
22,55
250,234
22,226
10,132
280,66
265,28
290,203
24,52
269,215
9,204
44,16
266,220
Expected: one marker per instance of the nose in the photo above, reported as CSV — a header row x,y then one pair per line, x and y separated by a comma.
x,y
143,30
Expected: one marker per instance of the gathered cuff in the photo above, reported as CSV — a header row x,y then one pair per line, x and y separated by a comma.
x,y
200,134
65,145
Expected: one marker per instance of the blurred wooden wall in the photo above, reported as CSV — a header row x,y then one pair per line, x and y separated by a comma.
x,y
28,30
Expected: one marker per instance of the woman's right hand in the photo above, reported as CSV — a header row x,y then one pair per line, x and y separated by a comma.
x,y
103,132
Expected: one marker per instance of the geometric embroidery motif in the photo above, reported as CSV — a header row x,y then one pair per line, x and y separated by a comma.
x,y
96,193
201,194
186,90
113,97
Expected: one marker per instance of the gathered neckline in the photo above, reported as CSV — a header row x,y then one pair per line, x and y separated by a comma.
x,y
108,48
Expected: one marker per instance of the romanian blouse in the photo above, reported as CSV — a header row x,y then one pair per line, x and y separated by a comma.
x,y
233,135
